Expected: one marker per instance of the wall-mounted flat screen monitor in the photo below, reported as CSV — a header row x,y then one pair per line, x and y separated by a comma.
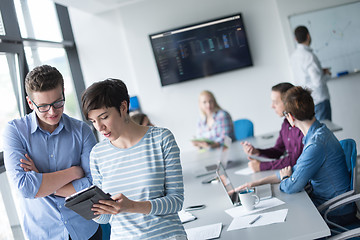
x,y
202,49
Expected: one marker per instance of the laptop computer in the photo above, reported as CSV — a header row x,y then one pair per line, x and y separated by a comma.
x,y
263,191
224,158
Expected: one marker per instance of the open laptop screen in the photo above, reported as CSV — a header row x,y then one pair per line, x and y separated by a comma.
x,y
225,181
224,157
262,191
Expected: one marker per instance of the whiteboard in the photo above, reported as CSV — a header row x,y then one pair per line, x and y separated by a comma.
x,y
335,36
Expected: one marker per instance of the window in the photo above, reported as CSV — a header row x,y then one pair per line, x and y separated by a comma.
x,y
5,228
56,57
10,85
32,33
38,20
42,25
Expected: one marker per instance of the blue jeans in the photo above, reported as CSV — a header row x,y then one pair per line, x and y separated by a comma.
x,y
323,110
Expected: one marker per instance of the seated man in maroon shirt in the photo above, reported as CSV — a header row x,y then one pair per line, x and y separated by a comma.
x,y
288,146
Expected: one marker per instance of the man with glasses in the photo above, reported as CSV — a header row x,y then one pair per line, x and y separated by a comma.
x,y
289,144
47,159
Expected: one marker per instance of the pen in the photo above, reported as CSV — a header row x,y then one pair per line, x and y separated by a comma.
x,y
253,221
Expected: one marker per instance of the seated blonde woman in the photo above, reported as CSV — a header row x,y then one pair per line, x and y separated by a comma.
x,y
214,123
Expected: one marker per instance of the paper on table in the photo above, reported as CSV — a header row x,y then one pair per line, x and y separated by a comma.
x,y
204,232
262,159
186,216
263,204
244,171
266,218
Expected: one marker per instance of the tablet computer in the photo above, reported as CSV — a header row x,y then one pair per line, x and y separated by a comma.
x,y
203,140
81,202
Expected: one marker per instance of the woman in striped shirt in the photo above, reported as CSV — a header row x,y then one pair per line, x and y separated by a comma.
x,y
138,165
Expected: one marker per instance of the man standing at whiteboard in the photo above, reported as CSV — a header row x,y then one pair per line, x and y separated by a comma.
x,y
307,72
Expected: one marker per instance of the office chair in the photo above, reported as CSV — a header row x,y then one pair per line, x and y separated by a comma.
x,y
134,104
243,128
347,233
343,232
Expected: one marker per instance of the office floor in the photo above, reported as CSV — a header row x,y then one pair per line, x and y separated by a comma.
x,y
10,228
5,229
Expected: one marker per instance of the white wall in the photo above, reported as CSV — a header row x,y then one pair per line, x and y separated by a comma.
x,y
116,44
244,93
344,91
102,47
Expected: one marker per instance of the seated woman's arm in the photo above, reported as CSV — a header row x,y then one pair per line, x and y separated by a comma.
x,y
307,166
265,180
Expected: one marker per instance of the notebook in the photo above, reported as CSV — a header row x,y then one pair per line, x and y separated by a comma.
x,y
224,159
263,191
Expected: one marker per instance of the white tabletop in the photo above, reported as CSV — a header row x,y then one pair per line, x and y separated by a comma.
x,y
332,126
302,222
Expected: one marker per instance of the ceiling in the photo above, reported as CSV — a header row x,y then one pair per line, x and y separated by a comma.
x,y
96,6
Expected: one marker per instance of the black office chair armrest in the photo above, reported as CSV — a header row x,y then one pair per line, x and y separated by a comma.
x,y
330,202
346,235
343,202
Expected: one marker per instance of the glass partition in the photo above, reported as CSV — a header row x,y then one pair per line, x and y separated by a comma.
x,y
9,91
38,20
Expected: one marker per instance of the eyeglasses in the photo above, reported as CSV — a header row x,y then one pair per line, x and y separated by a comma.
x,y
46,107
285,113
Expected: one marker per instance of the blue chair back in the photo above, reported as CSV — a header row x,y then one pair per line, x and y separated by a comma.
x,y
349,147
134,104
243,128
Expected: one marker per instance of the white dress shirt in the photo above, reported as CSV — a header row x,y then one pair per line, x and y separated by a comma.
x,y
307,72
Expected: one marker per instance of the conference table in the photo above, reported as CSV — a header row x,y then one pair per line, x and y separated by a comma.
x,y
303,221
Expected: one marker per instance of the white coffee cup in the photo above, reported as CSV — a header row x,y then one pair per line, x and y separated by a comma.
x,y
249,199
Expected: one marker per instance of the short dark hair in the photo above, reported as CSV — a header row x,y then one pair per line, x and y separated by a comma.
x,y
301,33
299,103
282,88
43,78
108,93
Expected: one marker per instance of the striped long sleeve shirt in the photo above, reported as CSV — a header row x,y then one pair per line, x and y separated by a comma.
x,y
148,171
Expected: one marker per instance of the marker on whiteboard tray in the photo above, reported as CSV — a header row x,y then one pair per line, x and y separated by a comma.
x,y
342,73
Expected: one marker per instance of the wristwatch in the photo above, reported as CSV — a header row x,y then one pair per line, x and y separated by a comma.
x,y
284,177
